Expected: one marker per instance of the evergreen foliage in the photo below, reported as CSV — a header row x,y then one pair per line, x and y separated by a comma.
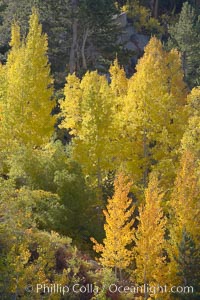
x,y
94,38
185,37
188,265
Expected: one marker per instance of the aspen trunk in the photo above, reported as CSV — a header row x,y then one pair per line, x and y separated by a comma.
x,y
156,4
154,8
73,50
85,36
120,275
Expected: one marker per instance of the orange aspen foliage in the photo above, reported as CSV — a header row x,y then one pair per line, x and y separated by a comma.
x,y
150,242
185,209
118,227
185,196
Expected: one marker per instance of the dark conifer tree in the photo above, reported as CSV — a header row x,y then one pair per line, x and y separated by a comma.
x,y
184,36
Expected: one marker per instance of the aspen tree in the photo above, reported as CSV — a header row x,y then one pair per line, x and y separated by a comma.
x,y
119,82
154,110
15,43
118,228
2,90
150,243
185,210
27,108
87,111
119,88
191,137
185,197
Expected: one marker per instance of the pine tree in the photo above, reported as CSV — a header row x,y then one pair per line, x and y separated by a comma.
x,y
80,32
118,228
184,36
27,106
92,24
188,261
150,243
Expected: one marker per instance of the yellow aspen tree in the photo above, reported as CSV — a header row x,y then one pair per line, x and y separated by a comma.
x,y
115,252
154,110
185,197
71,106
184,204
185,209
28,103
119,82
87,111
191,140
15,43
150,242
2,86
119,88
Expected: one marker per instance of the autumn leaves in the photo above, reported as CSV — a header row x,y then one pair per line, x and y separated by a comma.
x,y
152,245
138,126
118,228
125,245
136,123
27,90
135,128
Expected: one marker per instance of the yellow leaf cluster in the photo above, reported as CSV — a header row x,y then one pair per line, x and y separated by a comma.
x,y
88,114
150,242
27,99
185,197
118,227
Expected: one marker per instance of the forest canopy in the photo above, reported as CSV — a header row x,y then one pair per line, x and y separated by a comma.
x,y
99,156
